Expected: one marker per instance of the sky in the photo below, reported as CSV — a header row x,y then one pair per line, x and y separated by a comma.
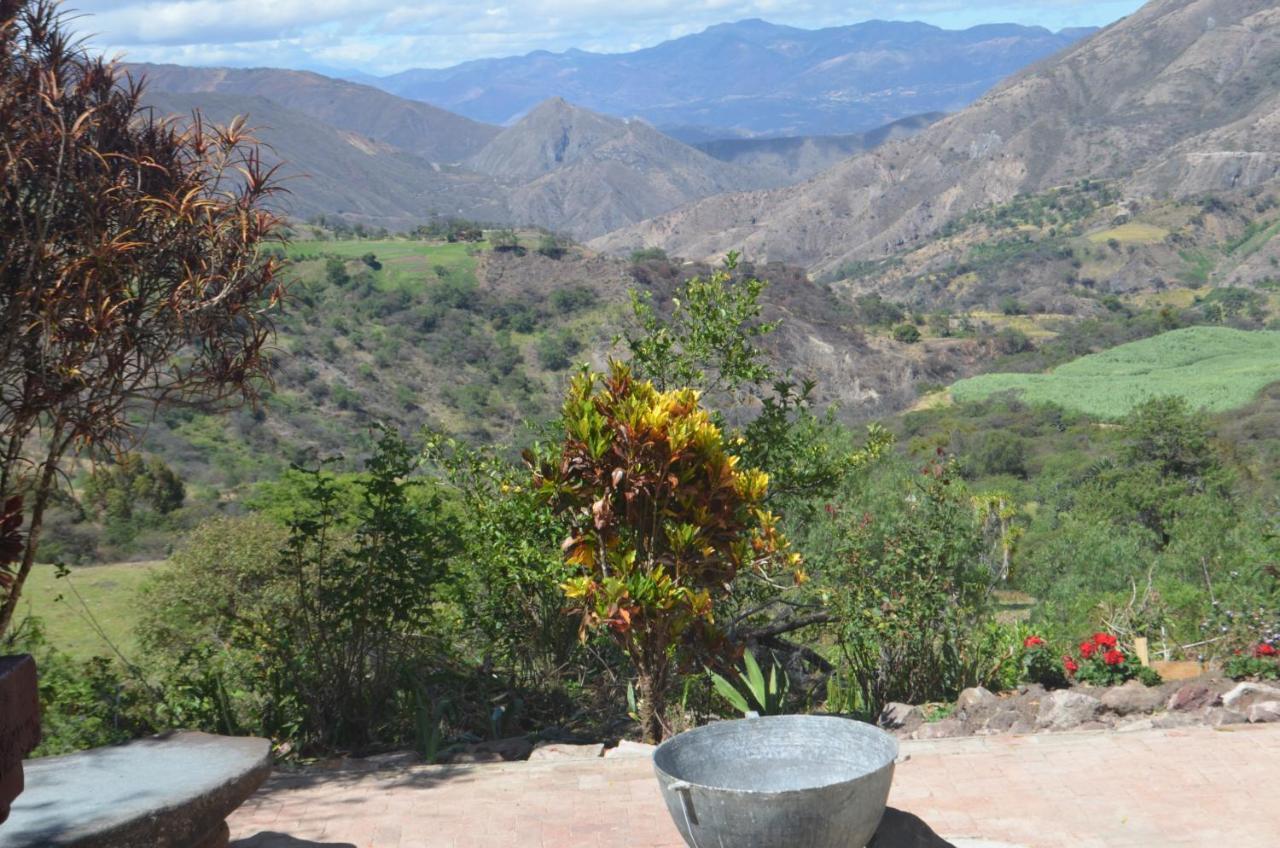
x,y
385,36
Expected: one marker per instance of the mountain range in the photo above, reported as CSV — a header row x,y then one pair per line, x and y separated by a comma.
x,y
1181,98
750,78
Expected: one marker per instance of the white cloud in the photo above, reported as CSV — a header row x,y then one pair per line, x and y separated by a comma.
x,y
383,36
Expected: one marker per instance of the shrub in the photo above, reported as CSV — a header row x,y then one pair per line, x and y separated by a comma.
x,y
906,333
1101,661
316,633
649,254
1262,663
556,350
661,522
909,587
1040,664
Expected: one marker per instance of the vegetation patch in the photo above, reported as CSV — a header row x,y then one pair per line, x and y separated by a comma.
x,y
1216,368
1134,232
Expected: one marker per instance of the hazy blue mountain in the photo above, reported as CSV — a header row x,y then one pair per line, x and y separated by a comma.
x,y
751,78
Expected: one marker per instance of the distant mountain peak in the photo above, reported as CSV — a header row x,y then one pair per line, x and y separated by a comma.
x,y
750,77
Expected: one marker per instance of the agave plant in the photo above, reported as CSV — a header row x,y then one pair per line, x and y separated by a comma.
x,y
754,694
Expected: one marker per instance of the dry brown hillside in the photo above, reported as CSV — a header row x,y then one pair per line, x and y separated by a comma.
x,y
1181,97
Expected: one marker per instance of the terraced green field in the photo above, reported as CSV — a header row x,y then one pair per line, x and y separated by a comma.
x,y
1216,368
405,263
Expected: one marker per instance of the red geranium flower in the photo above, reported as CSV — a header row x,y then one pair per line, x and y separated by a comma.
x,y
1032,641
1265,649
1104,640
1069,665
1113,657
1087,649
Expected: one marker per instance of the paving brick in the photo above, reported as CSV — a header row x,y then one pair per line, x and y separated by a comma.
x,y
1172,788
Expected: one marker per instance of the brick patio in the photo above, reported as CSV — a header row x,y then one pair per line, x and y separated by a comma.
x,y
1147,789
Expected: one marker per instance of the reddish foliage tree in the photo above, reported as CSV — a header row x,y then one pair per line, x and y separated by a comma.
x,y
130,273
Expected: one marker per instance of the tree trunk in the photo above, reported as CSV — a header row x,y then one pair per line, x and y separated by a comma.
x,y
43,489
652,706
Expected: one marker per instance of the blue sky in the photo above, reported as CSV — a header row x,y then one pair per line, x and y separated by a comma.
x,y
384,36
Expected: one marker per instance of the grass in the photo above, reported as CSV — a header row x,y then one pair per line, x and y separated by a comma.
x,y
68,606
1216,368
1131,233
406,264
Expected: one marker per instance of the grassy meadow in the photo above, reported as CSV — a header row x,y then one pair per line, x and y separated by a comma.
x,y
1215,368
73,608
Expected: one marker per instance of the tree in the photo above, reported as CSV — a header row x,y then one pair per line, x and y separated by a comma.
x,y
132,272
506,240
906,333
661,522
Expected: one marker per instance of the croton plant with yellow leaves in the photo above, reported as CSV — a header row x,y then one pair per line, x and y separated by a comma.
x,y
662,521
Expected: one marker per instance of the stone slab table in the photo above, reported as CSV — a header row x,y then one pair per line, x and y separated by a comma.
x,y
172,791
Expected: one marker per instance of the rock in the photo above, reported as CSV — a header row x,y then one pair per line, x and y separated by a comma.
x,y
1134,724
1022,727
1132,697
944,729
171,791
467,757
494,751
1220,717
1246,694
1180,719
627,748
1190,697
1266,711
561,751
976,698
1064,710
901,717
1001,721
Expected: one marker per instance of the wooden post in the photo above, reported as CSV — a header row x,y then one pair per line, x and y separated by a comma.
x,y
1140,647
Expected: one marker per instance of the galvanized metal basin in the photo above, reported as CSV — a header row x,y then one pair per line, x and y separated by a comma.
x,y
777,782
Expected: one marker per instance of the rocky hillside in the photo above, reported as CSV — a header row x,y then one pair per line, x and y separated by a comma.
x,y
329,171
1178,99
410,126
575,171
790,159
751,77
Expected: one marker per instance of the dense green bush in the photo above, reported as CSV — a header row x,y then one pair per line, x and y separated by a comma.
x,y
317,633
909,586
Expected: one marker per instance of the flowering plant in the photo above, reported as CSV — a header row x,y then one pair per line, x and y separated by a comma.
x,y
1101,662
1039,664
1262,663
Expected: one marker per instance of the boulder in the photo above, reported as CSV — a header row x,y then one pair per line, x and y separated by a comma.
x,y
1001,721
1132,697
1064,709
627,748
1222,717
1266,711
976,698
493,751
1133,724
901,717
561,751
944,729
1180,719
1190,697
1246,694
